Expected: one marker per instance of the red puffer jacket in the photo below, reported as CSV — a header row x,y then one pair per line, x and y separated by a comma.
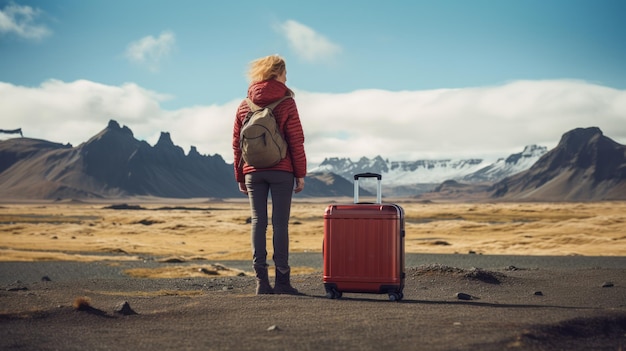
x,y
286,113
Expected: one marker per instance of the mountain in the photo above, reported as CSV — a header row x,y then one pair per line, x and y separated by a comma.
x,y
114,164
584,166
322,184
400,172
402,178
503,168
111,164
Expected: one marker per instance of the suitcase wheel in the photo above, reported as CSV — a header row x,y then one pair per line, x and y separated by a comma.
x,y
396,296
333,293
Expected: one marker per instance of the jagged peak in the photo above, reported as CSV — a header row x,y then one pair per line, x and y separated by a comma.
x,y
165,140
165,143
193,151
332,160
530,150
114,126
113,133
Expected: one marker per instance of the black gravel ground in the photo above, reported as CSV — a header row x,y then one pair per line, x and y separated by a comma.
x,y
451,302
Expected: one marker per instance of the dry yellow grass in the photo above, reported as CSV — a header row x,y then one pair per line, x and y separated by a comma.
x,y
219,231
590,229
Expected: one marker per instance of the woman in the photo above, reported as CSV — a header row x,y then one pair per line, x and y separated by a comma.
x,y
268,76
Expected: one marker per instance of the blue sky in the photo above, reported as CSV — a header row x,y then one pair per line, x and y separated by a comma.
x,y
401,79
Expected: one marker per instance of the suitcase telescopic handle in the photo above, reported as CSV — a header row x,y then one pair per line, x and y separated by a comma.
x,y
367,175
378,186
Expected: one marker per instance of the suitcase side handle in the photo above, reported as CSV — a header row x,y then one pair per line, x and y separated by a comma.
x,y
378,187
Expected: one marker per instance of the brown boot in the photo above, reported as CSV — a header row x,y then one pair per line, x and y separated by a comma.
x,y
263,286
283,285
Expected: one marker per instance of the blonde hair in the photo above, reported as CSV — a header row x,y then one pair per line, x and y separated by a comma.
x,y
265,68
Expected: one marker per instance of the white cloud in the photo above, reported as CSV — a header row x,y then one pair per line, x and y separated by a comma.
x,y
150,51
485,122
73,112
308,44
20,20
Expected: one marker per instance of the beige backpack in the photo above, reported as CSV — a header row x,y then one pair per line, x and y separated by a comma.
x,y
261,142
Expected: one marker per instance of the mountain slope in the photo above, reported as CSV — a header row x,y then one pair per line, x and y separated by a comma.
x,y
328,185
110,164
114,164
585,166
29,167
404,178
503,168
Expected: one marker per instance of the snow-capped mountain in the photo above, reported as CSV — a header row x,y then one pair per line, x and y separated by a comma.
x,y
503,168
402,177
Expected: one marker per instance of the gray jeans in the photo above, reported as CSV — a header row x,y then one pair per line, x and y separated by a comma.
x,y
280,184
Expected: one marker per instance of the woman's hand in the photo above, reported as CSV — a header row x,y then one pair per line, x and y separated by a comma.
x,y
299,185
243,188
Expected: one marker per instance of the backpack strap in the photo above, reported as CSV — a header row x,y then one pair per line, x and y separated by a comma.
x,y
254,107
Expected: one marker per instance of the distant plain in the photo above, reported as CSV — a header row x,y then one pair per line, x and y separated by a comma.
x,y
202,230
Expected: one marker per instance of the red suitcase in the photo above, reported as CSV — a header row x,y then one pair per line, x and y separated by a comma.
x,y
364,246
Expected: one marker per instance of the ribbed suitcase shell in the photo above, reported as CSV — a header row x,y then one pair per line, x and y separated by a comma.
x,y
364,249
